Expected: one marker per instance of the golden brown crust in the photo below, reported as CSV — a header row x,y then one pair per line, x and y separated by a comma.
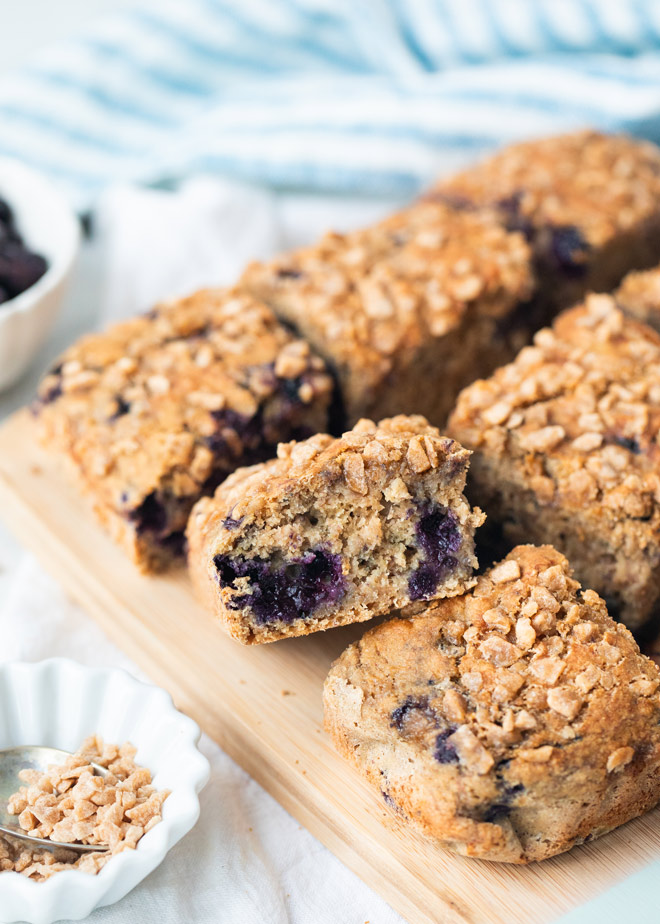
x,y
358,500
374,302
603,184
566,443
510,723
589,203
162,405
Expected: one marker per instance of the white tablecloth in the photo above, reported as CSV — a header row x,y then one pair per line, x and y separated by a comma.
x,y
247,861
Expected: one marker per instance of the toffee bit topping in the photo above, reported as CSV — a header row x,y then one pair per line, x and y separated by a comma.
x,y
547,670
471,751
565,701
508,570
619,758
417,457
354,473
499,652
536,755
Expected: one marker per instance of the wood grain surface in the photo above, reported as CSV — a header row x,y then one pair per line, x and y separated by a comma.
x,y
263,706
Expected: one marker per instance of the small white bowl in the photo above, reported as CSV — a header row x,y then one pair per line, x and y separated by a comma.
x,y
49,228
59,703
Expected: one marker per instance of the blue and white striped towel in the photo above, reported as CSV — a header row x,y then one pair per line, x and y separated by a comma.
x,y
365,96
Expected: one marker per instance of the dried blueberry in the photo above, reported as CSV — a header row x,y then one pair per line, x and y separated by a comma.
x,y
423,582
248,429
150,516
444,752
53,393
121,407
287,272
6,214
230,523
496,811
439,536
19,268
292,590
513,217
175,542
569,249
401,713
629,443
502,809
388,799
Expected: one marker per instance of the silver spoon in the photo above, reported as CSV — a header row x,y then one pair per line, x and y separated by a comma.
x,y
28,757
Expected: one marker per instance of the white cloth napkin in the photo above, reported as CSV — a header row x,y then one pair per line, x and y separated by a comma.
x,y
247,861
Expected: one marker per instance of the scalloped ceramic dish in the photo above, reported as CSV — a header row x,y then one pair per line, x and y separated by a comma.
x,y
58,703
50,228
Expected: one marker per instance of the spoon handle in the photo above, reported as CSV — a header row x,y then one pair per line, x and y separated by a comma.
x,y
46,844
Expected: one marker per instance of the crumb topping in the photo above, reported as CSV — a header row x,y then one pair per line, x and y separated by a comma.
x,y
515,670
603,184
153,402
387,455
370,298
578,412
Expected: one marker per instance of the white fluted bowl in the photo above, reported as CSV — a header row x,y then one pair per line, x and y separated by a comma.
x,y
49,228
59,703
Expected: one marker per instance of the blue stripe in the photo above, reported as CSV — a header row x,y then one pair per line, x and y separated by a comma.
x,y
263,60
604,39
55,169
553,41
465,55
386,131
46,123
410,38
210,53
614,73
648,25
307,175
320,23
98,96
152,72
491,16
353,72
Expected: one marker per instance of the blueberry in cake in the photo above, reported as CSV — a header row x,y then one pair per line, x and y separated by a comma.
x,y
335,531
510,723
587,202
156,411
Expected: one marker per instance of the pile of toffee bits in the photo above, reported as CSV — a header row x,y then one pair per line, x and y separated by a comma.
x,y
69,803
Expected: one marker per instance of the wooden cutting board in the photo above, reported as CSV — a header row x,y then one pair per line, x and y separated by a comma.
x,y
263,706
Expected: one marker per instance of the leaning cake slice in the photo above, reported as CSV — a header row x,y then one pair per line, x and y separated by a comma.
x,y
336,531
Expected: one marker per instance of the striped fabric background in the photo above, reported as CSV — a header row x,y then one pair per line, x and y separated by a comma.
x,y
369,96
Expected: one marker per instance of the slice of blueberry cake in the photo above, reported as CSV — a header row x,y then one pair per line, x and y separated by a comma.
x,y
335,531
510,723
587,202
566,451
408,310
156,411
